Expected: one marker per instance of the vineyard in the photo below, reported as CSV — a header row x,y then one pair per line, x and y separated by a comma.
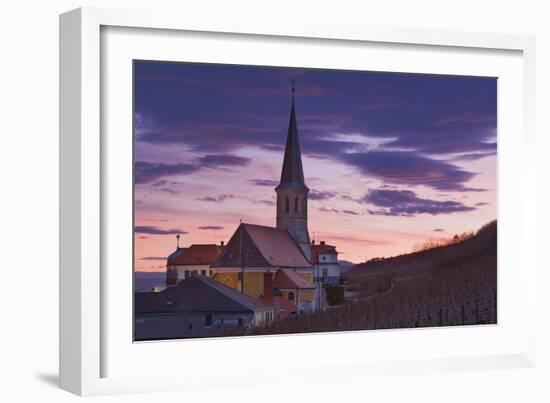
x,y
448,285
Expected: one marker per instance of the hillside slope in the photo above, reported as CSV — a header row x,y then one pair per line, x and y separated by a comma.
x,y
444,286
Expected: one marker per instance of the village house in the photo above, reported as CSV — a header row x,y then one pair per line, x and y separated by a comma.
x,y
326,269
194,260
197,307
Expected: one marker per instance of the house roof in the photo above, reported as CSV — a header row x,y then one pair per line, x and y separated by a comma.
x,y
175,255
289,279
259,246
321,249
198,254
196,294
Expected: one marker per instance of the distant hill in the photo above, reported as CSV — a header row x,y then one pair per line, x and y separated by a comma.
x,y
444,286
425,262
145,281
345,265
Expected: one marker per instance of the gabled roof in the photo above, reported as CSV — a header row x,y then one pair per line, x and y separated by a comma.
x,y
198,255
196,294
292,174
260,246
289,279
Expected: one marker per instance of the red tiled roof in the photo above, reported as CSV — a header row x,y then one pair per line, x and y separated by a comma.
x,y
198,255
289,279
321,249
277,246
260,246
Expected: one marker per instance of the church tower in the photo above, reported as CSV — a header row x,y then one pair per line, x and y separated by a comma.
x,y
292,191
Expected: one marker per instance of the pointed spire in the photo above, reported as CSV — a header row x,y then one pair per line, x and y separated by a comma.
x,y
292,173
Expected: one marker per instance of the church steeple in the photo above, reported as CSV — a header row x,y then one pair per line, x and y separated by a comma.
x,y
292,173
292,191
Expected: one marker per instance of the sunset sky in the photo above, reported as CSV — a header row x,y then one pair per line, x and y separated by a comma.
x,y
391,160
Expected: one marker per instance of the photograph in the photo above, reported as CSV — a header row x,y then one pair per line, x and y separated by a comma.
x,y
280,200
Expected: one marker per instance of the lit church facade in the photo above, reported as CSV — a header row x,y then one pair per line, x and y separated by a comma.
x,y
276,263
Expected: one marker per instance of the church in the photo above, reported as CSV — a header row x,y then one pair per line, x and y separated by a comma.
x,y
277,265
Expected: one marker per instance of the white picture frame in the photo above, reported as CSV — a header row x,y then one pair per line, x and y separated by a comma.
x,y
84,299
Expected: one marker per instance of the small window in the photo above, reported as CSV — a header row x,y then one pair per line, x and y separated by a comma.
x,y
194,272
187,273
203,272
325,272
287,205
324,258
210,273
240,322
208,319
291,296
296,201
190,326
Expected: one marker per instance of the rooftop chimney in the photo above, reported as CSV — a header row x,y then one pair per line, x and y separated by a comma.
x,y
221,243
268,287
322,242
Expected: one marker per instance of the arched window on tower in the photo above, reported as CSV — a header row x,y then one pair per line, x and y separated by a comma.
x,y
287,205
296,201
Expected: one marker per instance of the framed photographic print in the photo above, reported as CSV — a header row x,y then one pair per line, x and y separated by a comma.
x,y
254,193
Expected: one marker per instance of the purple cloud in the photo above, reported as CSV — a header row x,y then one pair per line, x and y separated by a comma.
x,y
146,229
169,191
407,203
217,199
320,195
409,168
146,172
328,210
219,160
264,201
264,182
473,156
211,227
